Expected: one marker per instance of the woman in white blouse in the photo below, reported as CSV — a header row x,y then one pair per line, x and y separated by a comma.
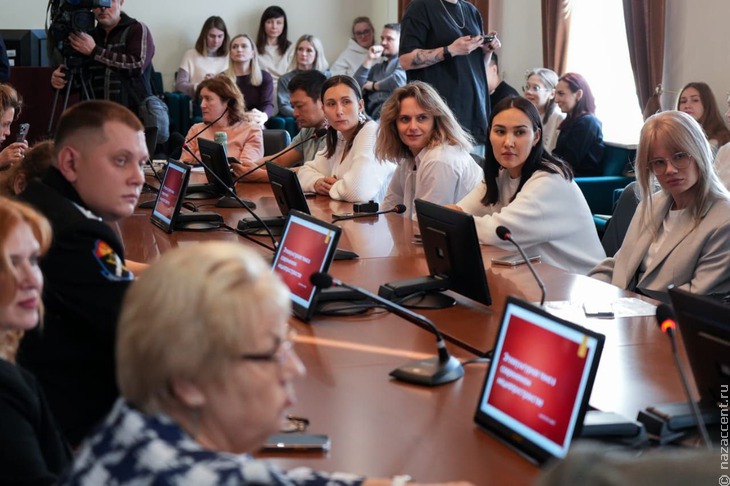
x,y
347,169
419,130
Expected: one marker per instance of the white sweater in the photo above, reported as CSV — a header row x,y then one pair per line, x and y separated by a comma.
x,y
549,216
275,63
350,59
441,175
360,176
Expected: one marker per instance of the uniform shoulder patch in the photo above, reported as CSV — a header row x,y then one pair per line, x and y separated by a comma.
x,y
112,266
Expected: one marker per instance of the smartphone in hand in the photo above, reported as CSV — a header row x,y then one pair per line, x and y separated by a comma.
x,y
22,132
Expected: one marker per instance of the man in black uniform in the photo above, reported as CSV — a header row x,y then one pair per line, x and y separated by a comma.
x,y
95,179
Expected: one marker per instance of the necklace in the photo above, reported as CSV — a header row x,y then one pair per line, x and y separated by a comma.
x,y
463,18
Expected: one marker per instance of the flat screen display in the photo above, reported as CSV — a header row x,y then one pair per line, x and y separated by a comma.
x,y
170,195
539,383
307,246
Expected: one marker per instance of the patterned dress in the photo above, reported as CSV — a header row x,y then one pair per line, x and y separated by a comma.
x,y
132,448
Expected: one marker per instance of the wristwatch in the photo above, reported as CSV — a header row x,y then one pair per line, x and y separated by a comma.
x,y
447,54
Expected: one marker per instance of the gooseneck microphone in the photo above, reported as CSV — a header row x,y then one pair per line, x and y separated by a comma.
x,y
321,132
232,192
398,209
206,127
667,323
504,234
429,372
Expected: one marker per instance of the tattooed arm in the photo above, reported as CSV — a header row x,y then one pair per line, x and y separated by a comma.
x,y
421,58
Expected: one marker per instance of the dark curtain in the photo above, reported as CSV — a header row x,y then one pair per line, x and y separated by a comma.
x,y
645,33
555,30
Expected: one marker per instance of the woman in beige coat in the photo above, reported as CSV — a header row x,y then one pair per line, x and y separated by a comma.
x,y
680,235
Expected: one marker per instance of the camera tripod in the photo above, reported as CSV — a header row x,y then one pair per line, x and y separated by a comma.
x,y
77,78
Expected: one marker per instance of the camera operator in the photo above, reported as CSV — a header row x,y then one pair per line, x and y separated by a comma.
x,y
120,51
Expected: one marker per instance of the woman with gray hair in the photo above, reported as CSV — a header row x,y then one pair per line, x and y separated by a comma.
x,y
539,89
679,235
205,365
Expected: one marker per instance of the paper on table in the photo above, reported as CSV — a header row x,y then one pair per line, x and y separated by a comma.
x,y
622,307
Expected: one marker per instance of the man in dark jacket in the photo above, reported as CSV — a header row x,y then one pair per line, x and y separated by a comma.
x,y
95,179
119,53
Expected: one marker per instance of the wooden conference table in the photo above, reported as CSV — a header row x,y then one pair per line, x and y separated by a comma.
x,y
380,427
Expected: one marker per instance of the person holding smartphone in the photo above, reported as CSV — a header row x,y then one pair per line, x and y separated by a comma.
x,y
10,106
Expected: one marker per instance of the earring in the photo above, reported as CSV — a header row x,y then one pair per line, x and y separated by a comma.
x,y
361,117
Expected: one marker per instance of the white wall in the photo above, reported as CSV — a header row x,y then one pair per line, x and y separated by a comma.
x,y
519,25
175,25
696,31
697,48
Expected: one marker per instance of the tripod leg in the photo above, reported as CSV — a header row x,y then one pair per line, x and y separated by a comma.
x,y
86,86
53,113
68,90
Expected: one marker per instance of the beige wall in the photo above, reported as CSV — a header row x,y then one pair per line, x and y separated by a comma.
x,y
176,24
696,31
696,48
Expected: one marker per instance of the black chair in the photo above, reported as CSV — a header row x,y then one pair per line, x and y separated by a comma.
x,y
275,141
478,159
617,226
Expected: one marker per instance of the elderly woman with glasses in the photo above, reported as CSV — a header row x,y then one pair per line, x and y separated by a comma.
x,y
201,392
539,89
679,235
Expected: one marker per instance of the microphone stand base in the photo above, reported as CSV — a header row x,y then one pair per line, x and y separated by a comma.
x,y
429,372
229,202
670,421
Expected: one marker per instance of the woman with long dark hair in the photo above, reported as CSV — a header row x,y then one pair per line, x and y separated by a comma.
x,y
347,169
580,141
697,100
532,193
274,46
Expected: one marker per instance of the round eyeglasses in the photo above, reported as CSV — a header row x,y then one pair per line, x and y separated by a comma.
x,y
679,161
533,89
279,354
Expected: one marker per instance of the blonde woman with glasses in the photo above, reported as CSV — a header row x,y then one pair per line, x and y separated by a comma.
x,y
539,89
679,235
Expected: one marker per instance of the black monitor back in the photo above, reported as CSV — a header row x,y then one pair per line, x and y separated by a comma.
x,y
704,325
452,249
286,188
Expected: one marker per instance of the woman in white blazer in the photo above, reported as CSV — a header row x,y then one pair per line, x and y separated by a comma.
x,y
680,235
347,169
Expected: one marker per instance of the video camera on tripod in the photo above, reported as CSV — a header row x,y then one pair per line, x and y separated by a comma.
x,y
69,16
